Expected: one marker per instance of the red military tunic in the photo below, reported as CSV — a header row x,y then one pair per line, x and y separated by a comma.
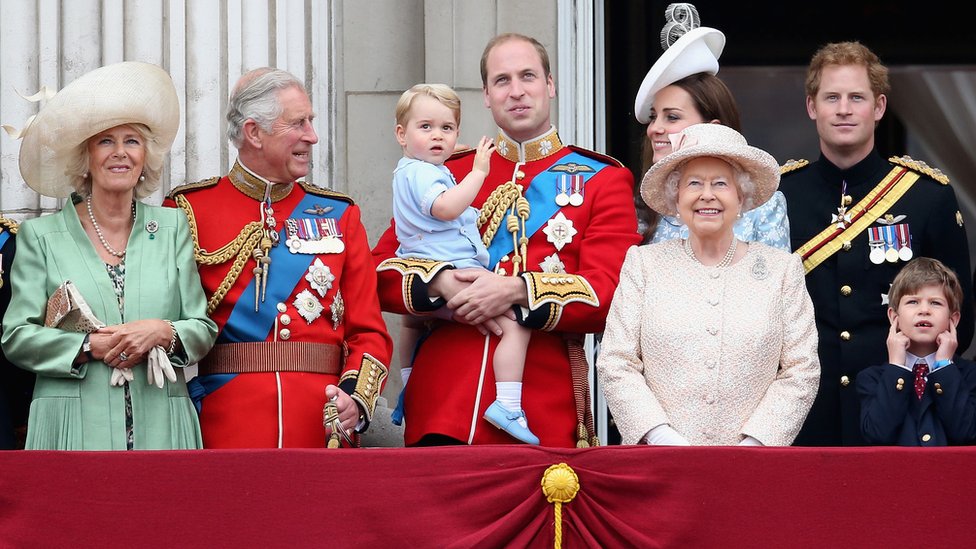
x,y
323,295
582,243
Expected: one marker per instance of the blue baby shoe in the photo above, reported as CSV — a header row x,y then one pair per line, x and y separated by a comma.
x,y
397,416
507,421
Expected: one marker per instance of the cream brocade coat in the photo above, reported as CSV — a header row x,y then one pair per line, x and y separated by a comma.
x,y
717,354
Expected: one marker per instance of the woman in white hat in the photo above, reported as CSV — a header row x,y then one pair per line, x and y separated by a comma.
x,y
710,340
102,140
679,90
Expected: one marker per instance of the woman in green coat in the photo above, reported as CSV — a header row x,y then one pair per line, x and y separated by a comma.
x,y
104,137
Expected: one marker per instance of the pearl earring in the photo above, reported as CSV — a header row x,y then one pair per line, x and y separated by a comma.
x,y
143,178
739,215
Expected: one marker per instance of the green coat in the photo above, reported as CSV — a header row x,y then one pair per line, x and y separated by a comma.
x,y
77,409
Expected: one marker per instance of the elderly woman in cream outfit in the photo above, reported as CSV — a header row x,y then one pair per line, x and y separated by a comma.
x,y
710,340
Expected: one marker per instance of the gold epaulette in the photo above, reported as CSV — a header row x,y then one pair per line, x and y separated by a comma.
x,y
605,158
793,165
920,167
8,224
186,187
328,193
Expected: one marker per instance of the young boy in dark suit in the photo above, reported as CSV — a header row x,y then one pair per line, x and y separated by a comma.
x,y
923,396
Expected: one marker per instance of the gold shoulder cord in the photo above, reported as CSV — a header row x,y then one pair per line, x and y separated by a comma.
x,y
507,198
239,249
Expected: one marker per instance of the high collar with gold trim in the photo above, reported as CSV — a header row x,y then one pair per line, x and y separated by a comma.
x,y
254,186
545,145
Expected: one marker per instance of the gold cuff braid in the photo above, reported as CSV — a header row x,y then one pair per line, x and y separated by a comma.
x,y
558,289
369,382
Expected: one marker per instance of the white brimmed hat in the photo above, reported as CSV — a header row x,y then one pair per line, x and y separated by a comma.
x,y
696,51
716,140
122,93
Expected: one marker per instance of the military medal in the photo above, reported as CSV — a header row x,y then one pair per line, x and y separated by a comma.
x,y
562,188
576,197
904,242
314,236
891,250
1,270
319,277
308,306
559,231
338,308
876,241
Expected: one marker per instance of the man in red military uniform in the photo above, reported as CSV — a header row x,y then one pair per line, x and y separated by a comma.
x,y
557,221
290,282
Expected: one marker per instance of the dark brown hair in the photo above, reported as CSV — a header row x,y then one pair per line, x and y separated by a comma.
x,y
925,271
714,101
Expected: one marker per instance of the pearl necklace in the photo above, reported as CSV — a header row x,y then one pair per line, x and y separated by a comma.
x,y
98,230
726,261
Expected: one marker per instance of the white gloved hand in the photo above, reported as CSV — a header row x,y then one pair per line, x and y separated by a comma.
x,y
120,376
664,435
159,366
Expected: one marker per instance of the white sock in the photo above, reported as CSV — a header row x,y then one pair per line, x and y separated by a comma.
x,y
509,395
405,374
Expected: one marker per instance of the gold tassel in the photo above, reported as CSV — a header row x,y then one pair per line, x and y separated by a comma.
x,y
560,485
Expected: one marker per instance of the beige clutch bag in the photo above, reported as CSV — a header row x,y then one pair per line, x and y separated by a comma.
x,y
67,310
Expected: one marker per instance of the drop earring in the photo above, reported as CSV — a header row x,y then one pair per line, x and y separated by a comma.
x,y
142,177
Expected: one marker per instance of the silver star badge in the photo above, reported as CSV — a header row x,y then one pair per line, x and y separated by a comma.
x,y
338,309
308,306
559,231
553,265
320,277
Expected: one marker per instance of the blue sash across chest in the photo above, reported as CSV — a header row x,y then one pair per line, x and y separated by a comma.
x,y
541,194
4,235
287,269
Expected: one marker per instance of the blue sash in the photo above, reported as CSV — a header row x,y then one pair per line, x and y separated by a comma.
x,y
4,235
541,194
287,269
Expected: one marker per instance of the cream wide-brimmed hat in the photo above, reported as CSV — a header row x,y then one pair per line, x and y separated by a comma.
x,y
696,50
130,92
713,140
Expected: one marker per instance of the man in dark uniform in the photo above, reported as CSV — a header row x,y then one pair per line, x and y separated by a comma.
x,y
16,385
856,219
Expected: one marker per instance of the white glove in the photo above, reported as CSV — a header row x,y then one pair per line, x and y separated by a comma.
x,y
159,365
750,441
120,376
664,435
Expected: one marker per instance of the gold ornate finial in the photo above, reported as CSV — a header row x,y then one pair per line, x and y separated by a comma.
x,y
560,485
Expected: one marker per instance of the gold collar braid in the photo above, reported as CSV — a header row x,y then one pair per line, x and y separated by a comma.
x,y
254,186
545,145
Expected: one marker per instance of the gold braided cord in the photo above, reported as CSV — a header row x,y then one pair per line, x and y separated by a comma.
x,y
560,485
494,208
235,271
239,248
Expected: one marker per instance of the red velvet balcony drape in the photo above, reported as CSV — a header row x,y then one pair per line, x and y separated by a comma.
x,y
488,497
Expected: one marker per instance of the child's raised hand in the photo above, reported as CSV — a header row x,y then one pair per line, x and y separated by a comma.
x,y
897,343
482,156
947,342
